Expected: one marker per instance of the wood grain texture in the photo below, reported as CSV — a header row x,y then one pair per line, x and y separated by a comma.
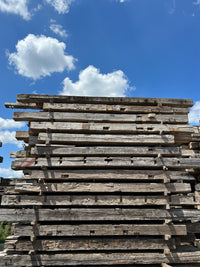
x,y
70,187
90,244
105,108
100,230
97,214
97,117
60,162
105,127
98,259
109,174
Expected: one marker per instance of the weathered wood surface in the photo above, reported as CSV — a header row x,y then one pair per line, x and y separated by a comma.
x,y
22,105
98,259
62,150
27,98
90,244
114,127
99,230
96,200
97,117
22,136
97,214
104,187
109,174
113,108
60,162
85,139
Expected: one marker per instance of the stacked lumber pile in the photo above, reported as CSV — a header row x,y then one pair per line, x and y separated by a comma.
x,y
107,182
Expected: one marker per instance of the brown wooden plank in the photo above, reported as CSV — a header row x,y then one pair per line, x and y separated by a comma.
x,y
98,117
100,230
96,214
99,127
22,105
78,107
86,259
103,187
109,174
60,162
62,150
27,98
121,139
95,200
88,244
22,136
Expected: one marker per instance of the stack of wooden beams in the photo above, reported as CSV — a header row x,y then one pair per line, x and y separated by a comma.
x,y
107,182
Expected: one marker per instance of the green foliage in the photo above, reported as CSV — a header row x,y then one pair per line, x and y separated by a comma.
x,y
4,231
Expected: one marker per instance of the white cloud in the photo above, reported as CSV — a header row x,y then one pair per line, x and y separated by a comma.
x,y
8,124
18,7
197,2
39,56
194,115
61,6
93,83
58,29
7,137
9,173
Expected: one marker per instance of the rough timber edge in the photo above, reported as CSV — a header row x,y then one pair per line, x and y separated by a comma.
x,y
112,100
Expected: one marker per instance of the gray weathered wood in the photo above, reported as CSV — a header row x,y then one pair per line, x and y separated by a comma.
x,y
97,214
100,230
96,200
27,98
60,162
103,187
98,259
88,244
85,139
56,150
109,174
96,127
97,117
113,108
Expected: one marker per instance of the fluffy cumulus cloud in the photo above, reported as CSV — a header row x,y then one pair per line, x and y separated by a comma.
x,y
39,56
61,6
194,115
8,137
9,124
9,173
92,83
18,7
58,29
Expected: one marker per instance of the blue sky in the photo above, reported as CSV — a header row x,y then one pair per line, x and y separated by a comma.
x,y
138,48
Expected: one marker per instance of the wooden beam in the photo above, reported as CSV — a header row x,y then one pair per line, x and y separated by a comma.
x,y
86,259
70,187
89,244
27,98
96,127
95,200
97,117
60,162
62,150
100,230
96,214
105,108
109,174
64,138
